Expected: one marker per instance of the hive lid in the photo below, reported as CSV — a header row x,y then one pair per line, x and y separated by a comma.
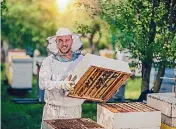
x,y
98,78
128,107
165,97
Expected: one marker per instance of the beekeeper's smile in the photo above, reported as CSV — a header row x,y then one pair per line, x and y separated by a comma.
x,y
64,43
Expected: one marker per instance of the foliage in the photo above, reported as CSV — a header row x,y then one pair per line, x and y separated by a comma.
x,y
26,23
133,21
146,28
95,30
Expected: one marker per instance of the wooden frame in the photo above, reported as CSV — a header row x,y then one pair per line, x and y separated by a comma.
x,y
128,107
98,84
75,123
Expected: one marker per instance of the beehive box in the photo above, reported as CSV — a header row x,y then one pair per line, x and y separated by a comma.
x,y
128,116
21,72
97,78
35,60
164,126
107,53
11,53
10,70
166,102
77,123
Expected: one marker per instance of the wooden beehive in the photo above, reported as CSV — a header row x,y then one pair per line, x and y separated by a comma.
x,y
77,123
166,103
128,115
98,78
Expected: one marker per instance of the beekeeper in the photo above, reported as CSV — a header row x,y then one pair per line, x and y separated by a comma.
x,y
53,76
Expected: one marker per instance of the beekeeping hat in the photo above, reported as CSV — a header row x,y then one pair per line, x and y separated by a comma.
x,y
76,45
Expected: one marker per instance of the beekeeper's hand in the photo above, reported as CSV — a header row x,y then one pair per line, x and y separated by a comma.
x,y
67,85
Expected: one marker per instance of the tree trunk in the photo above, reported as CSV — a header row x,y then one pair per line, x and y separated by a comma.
x,y
158,81
93,48
147,64
146,69
2,52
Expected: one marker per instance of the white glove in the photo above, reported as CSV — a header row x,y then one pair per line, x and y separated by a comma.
x,y
66,85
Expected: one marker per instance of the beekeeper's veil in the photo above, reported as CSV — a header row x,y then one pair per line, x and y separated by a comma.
x,y
76,45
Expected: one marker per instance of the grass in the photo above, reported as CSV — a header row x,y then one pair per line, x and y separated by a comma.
x,y
28,116
133,88
18,116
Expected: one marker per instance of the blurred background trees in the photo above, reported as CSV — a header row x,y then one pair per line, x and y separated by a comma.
x,y
27,23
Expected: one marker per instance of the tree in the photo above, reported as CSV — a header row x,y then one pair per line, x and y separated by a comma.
x,y
139,26
22,27
90,32
166,42
94,29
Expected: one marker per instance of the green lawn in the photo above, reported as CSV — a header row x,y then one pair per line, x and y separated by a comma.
x,y
28,116
133,88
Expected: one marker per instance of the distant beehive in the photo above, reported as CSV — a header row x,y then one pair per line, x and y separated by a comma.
x,y
107,53
14,54
77,123
97,78
166,103
128,116
21,72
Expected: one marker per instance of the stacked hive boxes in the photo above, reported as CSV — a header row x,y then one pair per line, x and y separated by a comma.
x,y
128,116
77,123
17,53
166,102
19,69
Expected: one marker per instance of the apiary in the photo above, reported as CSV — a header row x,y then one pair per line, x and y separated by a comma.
x,y
166,102
128,116
98,78
77,123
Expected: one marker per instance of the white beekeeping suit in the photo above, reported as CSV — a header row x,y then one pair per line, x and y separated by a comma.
x,y
52,76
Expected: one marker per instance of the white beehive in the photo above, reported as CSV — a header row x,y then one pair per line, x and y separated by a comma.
x,y
35,60
21,73
16,53
97,78
166,102
128,116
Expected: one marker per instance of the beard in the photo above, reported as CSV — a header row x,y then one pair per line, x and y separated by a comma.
x,y
64,52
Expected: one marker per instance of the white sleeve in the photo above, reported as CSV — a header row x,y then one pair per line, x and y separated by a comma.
x,y
45,82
